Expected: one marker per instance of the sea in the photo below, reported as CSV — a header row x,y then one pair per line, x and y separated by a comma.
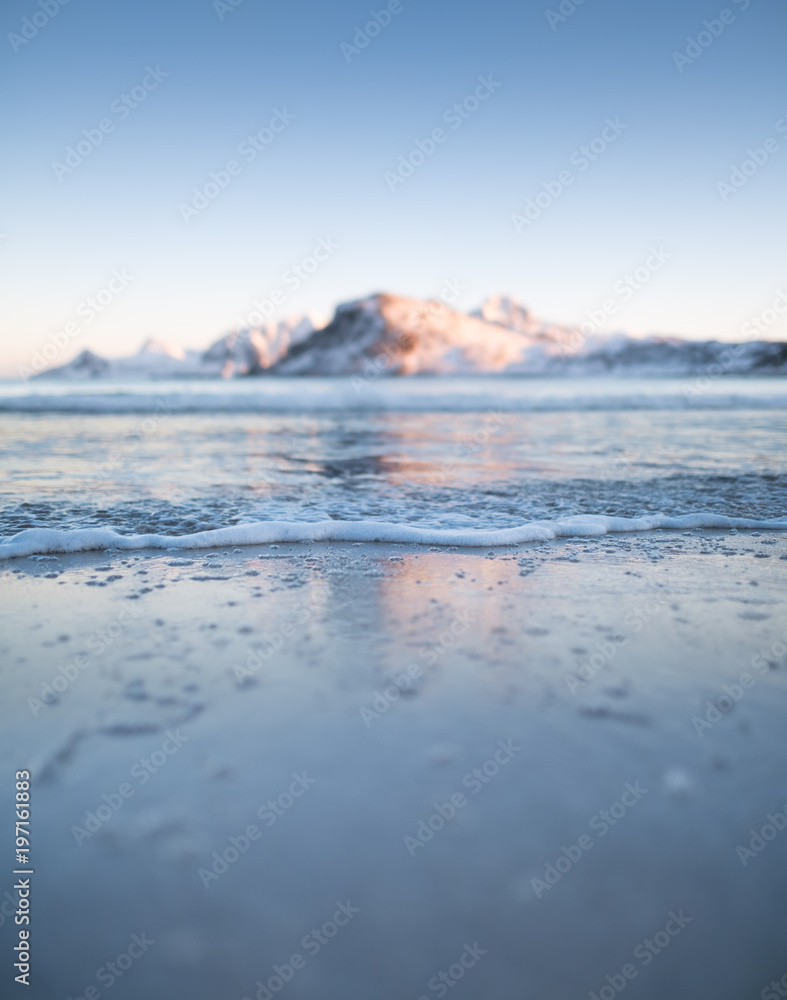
x,y
454,461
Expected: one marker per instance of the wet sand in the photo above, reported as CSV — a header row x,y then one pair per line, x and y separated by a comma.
x,y
501,766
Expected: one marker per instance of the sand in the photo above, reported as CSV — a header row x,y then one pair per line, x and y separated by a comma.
x,y
510,767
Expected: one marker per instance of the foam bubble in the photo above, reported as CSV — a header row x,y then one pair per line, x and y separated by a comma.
x,y
36,541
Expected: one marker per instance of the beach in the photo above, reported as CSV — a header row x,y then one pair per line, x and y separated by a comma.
x,y
540,753
416,733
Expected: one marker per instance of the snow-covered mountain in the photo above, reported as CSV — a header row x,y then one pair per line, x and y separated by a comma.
x,y
391,335
250,352
242,352
399,336
671,356
504,311
155,359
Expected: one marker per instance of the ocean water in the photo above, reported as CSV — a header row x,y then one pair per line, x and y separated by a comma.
x,y
593,657
442,461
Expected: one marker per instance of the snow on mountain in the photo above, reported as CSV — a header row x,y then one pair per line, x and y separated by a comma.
x,y
243,352
152,361
250,352
85,365
670,356
161,348
401,336
554,339
391,335
502,310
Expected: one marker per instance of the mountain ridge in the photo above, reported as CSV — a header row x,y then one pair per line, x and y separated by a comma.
x,y
392,335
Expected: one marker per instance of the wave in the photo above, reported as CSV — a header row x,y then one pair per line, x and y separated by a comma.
x,y
417,395
42,541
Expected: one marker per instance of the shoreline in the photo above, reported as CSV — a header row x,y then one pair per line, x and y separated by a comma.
x,y
48,541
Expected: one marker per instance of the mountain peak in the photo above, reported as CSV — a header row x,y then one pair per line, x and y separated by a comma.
x,y
387,334
403,336
161,348
503,310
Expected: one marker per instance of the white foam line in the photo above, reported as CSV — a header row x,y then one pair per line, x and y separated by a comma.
x,y
39,541
344,401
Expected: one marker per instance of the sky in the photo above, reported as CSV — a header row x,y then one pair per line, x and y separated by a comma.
x,y
174,222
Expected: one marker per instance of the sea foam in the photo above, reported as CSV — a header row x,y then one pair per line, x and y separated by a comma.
x,y
40,541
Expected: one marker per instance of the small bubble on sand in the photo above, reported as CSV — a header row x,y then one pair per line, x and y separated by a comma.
x,y
678,782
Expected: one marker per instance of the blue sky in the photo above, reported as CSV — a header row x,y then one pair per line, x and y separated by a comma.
x,y
323,175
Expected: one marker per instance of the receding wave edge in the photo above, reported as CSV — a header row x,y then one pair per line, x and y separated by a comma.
x,y
41,541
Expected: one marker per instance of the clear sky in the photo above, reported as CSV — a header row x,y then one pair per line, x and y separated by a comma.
x,y
360,102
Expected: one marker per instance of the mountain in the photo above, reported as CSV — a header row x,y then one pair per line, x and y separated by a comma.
x,y
243,352
251,352
390,335
399,336
154,360
387,334
85,365
505,311
670,356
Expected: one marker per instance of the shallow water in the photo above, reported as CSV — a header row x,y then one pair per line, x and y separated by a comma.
x,y
387,673
479,467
